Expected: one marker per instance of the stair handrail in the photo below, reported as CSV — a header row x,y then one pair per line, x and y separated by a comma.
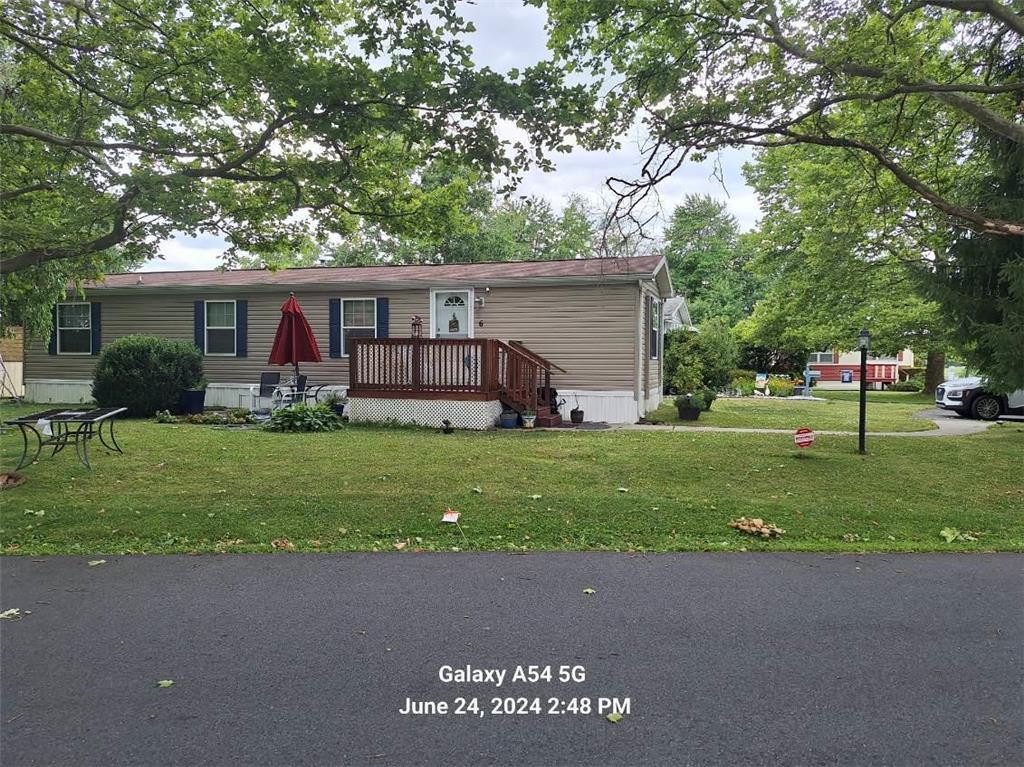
x,y
545,363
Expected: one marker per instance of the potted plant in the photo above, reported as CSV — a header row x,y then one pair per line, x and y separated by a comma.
x,y
193,398
509,419
528,419
336,402
689,406
576,414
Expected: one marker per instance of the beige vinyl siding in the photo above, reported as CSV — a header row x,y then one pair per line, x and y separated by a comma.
x,y
588,329
171,316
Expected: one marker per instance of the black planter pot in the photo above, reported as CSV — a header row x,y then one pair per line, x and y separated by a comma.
x,y
576,415
688,413
192,401
339,410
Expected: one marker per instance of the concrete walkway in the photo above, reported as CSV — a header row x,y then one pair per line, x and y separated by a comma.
x,y
948,425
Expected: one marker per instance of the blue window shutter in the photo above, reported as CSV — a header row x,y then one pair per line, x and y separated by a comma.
x,y
382,318
94,322
334,316
53,335
199,322
241,328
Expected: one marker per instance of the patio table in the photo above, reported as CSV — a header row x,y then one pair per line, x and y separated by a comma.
x,y
62,426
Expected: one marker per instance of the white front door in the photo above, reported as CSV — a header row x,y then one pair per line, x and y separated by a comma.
x,y
451,316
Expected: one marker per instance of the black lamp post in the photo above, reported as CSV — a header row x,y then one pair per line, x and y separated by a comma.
x,y
864,343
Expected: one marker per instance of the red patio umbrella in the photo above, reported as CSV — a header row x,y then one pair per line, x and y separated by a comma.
x,y
294,342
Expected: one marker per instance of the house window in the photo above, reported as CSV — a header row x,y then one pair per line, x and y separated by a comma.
x,y
654,315
74,329
220,328
826,357
358,320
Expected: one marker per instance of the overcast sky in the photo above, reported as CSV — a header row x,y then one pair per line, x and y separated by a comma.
x,y
509,35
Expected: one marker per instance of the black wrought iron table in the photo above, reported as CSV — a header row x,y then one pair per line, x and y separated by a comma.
x,y
61,427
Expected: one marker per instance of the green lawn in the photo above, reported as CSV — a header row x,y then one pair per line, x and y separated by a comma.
x,y
198,489
834,414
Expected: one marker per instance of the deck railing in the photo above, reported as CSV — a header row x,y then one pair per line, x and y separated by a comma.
x,y
477,368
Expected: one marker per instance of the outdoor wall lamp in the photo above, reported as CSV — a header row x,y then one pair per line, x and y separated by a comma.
x,y
864,339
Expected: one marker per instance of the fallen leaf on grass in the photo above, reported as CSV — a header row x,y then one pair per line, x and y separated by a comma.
x,y
614,717
95,562
951,534
589,591
401,544
165,683
282,543
756,526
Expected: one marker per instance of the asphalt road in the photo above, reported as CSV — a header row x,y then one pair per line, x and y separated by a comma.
x,y
306,659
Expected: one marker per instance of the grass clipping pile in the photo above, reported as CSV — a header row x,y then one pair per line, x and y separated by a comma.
x,y
756,526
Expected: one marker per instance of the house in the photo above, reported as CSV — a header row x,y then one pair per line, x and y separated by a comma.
x,y
841,370
493,334
677,314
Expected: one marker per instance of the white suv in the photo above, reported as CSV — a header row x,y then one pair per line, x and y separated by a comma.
x,y
968,397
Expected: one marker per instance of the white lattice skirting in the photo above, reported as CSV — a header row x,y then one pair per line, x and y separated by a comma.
x,y
425,412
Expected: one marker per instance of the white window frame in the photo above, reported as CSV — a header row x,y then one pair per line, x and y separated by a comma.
x,y
342,325
812,358
470,302
57,328
206,327
654,306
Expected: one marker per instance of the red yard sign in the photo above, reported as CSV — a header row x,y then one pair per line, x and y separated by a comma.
x,y
803,437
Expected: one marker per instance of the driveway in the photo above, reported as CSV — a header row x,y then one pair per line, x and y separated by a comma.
x,y
307,659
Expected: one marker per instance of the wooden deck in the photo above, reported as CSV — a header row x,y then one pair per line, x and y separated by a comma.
x,y
450,368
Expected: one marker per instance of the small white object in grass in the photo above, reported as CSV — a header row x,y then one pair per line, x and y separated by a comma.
x,y
450,516
95,562
477,490
622,489
535,497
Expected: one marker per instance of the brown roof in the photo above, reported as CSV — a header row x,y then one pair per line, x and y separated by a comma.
x,y
595,268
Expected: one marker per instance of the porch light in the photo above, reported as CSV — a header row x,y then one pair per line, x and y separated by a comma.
x,y
864,339
417,326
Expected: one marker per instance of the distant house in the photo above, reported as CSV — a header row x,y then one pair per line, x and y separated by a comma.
x,y
493,335
841,370
677,314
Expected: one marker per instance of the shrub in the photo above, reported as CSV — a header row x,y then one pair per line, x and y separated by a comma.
x,y
709,395
221,417
692,400
303,417
701,359
145,374
781,387
913,385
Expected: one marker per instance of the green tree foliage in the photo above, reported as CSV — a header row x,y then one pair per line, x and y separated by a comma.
x,y
145,374
838,256
978,281
515,229
902,87
271,124
708,259
694,360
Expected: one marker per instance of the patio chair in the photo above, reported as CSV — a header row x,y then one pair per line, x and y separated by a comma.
x,y
296,392
268,385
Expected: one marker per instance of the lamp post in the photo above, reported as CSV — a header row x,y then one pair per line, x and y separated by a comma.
x,y
864,343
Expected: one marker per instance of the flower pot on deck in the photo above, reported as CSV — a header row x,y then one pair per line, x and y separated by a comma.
x,y
576,415
528,420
